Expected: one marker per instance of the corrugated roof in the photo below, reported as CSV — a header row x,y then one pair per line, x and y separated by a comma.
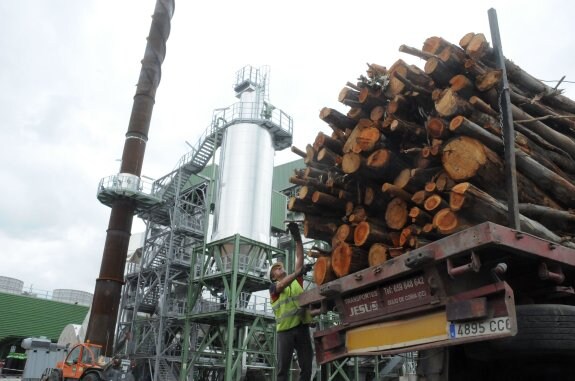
x,y
24,316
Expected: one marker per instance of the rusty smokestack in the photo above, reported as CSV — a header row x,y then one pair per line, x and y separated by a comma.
x,y
106,302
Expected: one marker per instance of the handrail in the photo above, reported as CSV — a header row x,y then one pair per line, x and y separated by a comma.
x,y
126,182
221,119
249,112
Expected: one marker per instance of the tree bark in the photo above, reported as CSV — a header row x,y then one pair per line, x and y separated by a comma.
x,y
366,234
385,164
347,259
556,120
439,71
322,271
370,99
451,104
549,134
407,233
301,206
327,157
305,193
526,81
545,177
559,220
324,141
411,180
484,207
408,130
419,216
327,200
394,191
298,151
461,85
336,119
323,231
349,97
444,182
415,52
344,233
483,106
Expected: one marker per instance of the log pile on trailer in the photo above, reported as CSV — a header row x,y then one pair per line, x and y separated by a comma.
x,y
419,155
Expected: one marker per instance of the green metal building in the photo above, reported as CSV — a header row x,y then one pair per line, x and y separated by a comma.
x,y
26,316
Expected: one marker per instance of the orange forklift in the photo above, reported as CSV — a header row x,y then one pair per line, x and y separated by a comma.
x,y
85,362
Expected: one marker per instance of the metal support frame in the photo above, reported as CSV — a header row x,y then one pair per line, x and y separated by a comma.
x,y
236,324
507,122
154,301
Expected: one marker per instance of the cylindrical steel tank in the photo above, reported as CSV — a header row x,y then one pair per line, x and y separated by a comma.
x,y
243,203
11,285
72,296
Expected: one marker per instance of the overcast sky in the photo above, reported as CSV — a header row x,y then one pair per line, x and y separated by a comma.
x,y
68,70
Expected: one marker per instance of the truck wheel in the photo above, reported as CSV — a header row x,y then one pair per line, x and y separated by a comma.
x,y
543,330
91,377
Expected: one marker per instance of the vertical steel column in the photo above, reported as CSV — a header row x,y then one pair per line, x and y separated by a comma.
x,y
230,332
507,120
102,323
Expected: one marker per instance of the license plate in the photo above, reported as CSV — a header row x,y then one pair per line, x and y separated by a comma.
x,y
495,326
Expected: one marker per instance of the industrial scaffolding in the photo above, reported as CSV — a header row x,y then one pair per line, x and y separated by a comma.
x,y
189,308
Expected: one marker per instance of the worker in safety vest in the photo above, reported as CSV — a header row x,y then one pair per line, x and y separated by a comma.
x,y
292,322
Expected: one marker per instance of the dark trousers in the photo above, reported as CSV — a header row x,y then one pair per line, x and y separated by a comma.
x,y
297,338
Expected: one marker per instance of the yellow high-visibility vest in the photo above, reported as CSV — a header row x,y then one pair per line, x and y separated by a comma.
x,y
286,308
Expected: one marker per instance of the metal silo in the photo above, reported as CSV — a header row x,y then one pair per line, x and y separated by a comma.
x,y
11,285
255,129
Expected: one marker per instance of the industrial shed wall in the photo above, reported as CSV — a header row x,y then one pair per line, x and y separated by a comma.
x,y
24,316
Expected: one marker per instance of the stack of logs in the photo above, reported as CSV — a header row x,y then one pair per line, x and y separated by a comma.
x,y
419,155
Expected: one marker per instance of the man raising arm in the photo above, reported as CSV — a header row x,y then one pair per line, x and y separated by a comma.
x,y
292,322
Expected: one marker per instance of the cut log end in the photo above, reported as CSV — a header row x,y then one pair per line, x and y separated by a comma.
x,y
445,221
436,127
396,214
351,162
457,196
322,271
432,202
361,233
378,254
346,259
462,158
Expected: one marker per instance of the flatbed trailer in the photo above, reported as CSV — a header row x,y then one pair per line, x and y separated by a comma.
x,y
462,289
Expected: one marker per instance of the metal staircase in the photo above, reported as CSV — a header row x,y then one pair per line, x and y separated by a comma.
x,y
191,163
166,373
153,198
